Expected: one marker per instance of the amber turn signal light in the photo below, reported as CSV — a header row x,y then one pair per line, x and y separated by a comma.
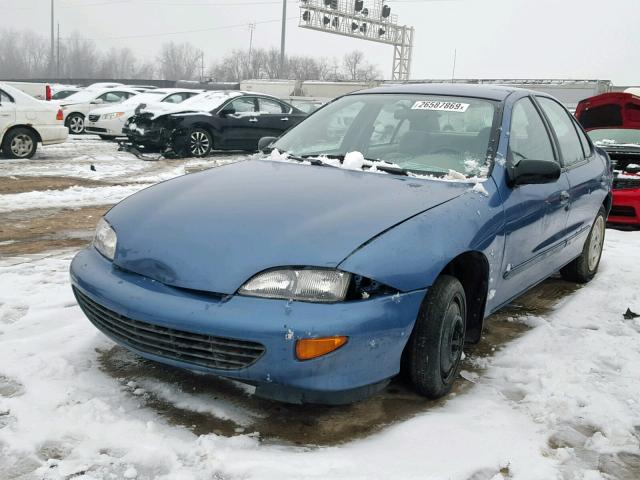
x,y
309,348
60,115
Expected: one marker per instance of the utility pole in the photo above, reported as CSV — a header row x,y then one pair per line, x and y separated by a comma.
x,y
58,54
453,72
52,57
252,27
282,38
201,67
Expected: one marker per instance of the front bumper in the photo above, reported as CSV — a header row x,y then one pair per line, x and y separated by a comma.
x,y
378,329
625,207
112,128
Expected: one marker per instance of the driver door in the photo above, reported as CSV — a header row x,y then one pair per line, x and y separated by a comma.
x,y
535,215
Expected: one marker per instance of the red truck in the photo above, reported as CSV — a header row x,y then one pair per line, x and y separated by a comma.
x,y
612,120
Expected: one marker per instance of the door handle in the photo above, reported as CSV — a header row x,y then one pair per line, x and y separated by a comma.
x,y
253,119
5,114
564,199
285,119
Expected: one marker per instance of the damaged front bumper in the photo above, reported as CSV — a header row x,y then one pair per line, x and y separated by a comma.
x,y
377,330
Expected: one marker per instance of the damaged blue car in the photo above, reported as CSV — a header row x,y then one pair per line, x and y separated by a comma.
x,y
375,236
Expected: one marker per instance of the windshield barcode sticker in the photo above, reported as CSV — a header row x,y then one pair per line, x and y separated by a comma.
x,y
440,106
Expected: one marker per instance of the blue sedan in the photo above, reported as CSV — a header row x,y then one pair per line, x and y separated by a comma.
x,y
377,235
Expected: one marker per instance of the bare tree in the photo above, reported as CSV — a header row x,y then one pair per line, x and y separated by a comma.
x,y
81,57
179,61
353,63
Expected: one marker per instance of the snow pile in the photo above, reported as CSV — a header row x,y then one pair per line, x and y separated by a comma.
x,y
562,401
70,197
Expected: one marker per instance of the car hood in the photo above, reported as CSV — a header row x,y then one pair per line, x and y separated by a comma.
x,y
213,230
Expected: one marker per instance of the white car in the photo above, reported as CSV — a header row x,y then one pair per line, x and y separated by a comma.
x,y
108,121
26,121
60,92
76,107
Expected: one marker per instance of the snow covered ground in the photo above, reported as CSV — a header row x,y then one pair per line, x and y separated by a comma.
x,y
562,401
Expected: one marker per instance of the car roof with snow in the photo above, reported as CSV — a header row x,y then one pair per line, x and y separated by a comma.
x,y
490,92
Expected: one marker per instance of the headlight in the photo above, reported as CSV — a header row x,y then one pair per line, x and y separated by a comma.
x,y
111,116
307,285
105,239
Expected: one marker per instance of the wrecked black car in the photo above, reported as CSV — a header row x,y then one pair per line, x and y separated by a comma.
x,y
215,120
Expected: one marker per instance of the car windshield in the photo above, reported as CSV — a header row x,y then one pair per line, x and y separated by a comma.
x,y
615,136
207,101
154,96
429,134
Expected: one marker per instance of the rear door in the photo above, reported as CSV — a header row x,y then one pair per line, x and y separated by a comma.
x,y
275,117
7,112
239,128
535,215
585,175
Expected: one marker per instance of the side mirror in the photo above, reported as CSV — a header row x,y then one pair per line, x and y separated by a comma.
x,y
264,142
227,111
528,172
97,101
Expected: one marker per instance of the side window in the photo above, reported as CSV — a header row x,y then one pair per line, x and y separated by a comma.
x,y
113,97
244,105
586,146
528,137
5,97
266,105
175,98
562,124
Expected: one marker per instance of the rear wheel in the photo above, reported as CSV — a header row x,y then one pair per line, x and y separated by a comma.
x,y
199,143
435,346
584,268
75,123
20,143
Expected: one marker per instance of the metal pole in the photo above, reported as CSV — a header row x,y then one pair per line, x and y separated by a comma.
x,y
52,57
252,27
58,54
282,38
453,72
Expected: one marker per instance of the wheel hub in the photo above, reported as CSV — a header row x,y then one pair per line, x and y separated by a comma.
x,y
595,243
199,143
21,145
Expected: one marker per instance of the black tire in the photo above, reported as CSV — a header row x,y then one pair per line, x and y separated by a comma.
x,y
584,268
75,123
20,143
199,143
434,350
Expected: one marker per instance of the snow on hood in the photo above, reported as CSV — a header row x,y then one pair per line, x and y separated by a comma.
x,y
204,102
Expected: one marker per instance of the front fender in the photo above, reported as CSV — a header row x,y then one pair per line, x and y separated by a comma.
x,y
411,255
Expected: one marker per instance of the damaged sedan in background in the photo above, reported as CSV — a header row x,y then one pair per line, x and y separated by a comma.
x,y
215,120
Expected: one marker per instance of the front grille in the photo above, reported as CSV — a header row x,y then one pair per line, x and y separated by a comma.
x,y
96,129
620,211
626,183
195,348
94,118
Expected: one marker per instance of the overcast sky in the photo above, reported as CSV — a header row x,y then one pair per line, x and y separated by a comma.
x,y
493,38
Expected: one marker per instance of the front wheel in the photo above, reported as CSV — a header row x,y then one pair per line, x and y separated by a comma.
x,y
199,143
435,346
20,143
75,123
584,268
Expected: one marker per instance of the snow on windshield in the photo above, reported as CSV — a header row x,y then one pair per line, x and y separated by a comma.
x,y
82,96
154,96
